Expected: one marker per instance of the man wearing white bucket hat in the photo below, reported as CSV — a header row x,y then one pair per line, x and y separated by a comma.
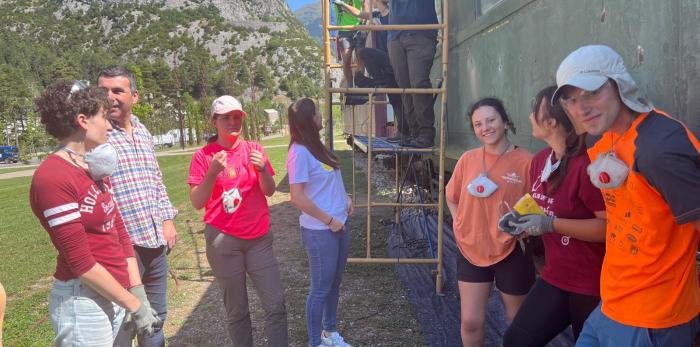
x,y
648,168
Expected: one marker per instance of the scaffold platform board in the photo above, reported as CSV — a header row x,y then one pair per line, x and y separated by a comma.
x,y
380,145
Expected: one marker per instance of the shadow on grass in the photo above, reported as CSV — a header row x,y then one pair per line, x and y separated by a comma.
x,y
373,309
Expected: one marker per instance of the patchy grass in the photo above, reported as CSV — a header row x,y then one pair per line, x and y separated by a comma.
x,y
4,170
372,310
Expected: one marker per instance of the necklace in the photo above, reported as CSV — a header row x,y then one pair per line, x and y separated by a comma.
x,y
485,171
71,153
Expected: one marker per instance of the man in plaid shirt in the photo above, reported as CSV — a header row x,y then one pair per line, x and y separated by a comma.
x,y
140,193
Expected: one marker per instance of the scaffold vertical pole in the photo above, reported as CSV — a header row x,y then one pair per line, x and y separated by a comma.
x,y
328,107
441,173
370,129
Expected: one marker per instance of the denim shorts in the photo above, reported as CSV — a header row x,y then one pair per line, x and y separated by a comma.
x,y
82,317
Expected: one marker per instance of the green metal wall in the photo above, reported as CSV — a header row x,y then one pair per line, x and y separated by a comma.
x,y
513,50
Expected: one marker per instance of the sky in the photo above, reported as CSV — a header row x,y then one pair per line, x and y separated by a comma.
x,y
296,4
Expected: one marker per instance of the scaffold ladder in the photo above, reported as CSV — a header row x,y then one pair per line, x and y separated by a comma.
x,y
329,90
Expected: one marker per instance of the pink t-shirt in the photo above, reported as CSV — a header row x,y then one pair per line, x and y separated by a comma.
x,y
237,205
570,264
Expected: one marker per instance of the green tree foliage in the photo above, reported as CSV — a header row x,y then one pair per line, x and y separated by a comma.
x,y
169,49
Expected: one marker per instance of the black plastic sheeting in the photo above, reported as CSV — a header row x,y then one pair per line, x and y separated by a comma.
x,y
439,315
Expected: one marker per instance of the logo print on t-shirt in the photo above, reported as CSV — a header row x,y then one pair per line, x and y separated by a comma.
x,y
327,167
565,240
512,178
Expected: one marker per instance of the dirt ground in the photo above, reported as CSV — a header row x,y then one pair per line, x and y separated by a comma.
x,y
373,310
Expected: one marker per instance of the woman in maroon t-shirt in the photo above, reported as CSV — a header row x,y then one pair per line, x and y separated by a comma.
x,y
573,231
71,196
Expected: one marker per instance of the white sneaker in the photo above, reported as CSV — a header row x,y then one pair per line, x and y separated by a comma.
x,y
334,340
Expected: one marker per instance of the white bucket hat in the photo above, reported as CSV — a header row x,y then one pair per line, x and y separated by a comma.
x,y
590,66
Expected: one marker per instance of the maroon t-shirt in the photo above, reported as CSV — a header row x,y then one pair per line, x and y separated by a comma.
x,y
82,220
570,264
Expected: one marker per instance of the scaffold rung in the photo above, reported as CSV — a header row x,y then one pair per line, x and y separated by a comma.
x,y
386,90
386,27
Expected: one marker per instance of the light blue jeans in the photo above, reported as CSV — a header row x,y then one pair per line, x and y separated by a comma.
x,y
82,317
328,254
601,331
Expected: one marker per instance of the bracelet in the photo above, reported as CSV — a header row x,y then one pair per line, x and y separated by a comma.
x,y
330,221
263,169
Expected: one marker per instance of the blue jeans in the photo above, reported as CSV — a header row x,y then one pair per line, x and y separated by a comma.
x,y
601,331
328,254
82,317
153,266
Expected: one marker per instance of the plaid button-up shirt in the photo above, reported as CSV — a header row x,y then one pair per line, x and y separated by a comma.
x,y
138,186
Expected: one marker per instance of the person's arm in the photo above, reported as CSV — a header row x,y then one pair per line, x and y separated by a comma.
x,y
366,14
306,205
591,230
452,206
200,193
99,279
267,183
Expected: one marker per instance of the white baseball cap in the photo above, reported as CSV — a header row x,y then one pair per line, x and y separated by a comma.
x,y
225,104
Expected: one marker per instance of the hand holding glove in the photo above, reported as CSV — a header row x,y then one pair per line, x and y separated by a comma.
x,y
507,221
339,2
534,224
145,318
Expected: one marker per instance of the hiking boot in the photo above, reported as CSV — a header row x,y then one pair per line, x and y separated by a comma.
x,y
420,142
395,139
334,340
362,81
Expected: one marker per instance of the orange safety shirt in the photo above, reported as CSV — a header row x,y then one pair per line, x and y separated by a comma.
x,y
649,277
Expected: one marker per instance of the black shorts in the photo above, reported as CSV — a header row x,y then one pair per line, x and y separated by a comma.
x,y
346,39
514,275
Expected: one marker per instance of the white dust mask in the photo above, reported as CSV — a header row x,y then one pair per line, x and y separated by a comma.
x,y
607,171
101,160
482,186
549,168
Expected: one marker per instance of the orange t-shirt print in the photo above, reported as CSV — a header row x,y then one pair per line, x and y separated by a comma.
x,y
476,223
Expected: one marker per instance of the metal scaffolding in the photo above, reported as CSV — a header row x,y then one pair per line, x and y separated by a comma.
x,y
329,90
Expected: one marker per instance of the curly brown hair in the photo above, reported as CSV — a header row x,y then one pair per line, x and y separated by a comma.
x,y
58,111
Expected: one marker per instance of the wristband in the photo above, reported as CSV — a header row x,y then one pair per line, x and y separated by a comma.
x,y
330,221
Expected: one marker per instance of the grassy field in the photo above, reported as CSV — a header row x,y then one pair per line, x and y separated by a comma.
x,y
29,261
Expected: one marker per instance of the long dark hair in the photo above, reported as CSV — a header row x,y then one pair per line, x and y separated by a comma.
x,y
497,104
303,131
575,144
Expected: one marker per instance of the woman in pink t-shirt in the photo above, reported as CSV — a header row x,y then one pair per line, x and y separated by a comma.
x,y
230,178
97,282
573,231
483,180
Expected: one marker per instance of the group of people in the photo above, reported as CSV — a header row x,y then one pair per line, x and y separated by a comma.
x,y
101,198
620,221
399,59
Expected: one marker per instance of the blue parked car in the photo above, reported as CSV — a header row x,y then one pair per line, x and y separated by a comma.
x,y
9,154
